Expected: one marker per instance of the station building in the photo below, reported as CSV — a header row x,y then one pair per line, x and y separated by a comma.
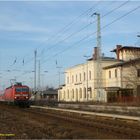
x,y
120,77
123,78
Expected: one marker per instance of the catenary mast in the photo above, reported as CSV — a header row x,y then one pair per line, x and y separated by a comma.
x,y
98,63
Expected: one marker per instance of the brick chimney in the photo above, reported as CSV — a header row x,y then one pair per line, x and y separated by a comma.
x,y
95,53
117,51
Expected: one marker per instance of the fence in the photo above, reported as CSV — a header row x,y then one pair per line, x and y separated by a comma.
x,y
126,99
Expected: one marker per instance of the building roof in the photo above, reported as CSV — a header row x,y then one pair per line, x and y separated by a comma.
x,y
105,58
122,63
126,47
50,92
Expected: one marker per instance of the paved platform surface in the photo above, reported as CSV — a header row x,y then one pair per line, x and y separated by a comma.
x,y
114,116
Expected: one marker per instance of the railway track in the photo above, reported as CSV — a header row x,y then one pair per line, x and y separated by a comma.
x,y
122,129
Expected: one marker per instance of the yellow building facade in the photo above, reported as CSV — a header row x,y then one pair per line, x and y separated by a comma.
x,y
81,82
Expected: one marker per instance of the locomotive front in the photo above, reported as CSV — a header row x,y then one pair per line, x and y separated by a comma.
x,y
21,95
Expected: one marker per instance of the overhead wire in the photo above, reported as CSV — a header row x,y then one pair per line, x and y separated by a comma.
x,y
74,33
69,47
96,20
65,28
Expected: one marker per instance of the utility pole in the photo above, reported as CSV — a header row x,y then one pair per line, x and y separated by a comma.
x,y
35,55
99,83
39,75
59,72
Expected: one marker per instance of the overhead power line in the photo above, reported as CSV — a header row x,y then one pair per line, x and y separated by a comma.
x,y
75,19
71,46
68,26
65,28
78,42
74,33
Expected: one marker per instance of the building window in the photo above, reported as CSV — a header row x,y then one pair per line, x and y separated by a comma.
x,y
68,94
67,80
138,72
84,92
89,75
115,72
109,74
80,92
64,95
76,77
73,93
72,79
90,92
80,76
76,95
59,95
84,76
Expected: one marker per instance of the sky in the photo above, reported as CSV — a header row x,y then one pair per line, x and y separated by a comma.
x,y
62,32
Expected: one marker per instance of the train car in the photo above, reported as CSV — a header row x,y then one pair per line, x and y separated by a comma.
x,y
17,94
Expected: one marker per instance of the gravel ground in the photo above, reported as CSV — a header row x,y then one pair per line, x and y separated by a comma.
x,y
24,125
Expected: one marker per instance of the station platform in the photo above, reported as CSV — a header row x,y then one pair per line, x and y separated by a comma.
x,y
114,116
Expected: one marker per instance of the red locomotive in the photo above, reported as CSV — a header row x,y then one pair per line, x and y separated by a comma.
x,y
18,94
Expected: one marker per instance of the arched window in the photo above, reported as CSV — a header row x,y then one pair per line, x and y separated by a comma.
x,y
64,95
109,74
84,76
73,93
68,94
89,75
85,93
72,78
80,92
90,92
76,77
67,80
80,77
76,94
115,72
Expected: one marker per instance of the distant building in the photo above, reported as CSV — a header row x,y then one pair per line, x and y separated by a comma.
x,y
50,94
120,77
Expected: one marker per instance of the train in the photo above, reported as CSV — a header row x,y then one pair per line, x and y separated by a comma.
x,y
17,94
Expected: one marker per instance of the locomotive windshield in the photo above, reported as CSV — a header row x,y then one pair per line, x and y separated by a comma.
x,y
22,90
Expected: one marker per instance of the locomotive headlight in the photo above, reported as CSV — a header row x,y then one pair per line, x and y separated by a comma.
x,y
15,97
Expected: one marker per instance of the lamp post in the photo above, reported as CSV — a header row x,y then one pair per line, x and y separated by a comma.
x,y
87,74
